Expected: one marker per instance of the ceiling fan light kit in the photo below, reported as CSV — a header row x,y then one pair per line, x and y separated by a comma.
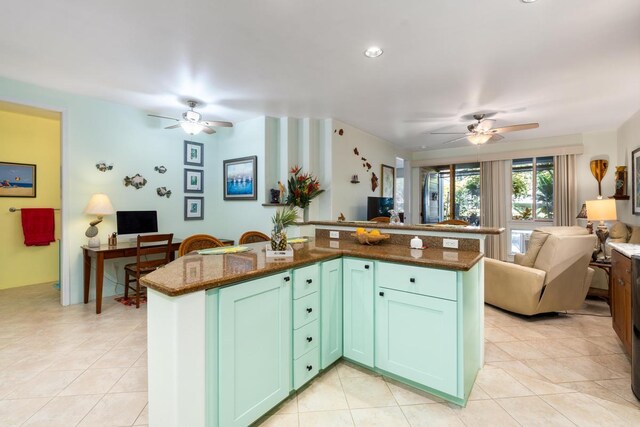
x,y
191,121
479,138
483,131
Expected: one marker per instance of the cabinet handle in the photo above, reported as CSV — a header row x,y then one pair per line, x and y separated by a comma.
x,y
309,309
309,367
309,281
287,278
309,339
412,280
620,282
366,267
381,293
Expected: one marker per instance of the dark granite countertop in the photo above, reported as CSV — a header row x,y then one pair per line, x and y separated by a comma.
x,y
192,273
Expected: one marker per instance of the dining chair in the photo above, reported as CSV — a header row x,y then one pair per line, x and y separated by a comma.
x,y
146,245
253,237
454,222
380,219
197,242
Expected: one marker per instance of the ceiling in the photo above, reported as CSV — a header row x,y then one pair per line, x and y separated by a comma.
x,y
571,65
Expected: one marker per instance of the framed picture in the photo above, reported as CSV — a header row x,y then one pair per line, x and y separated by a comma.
x,y
193,208
239,178
193,153
635,190
193,181
388,187
17,180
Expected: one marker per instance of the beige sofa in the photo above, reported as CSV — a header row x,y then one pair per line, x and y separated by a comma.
x,y
553,275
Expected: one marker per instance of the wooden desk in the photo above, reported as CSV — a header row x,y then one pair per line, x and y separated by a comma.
x,y
122,250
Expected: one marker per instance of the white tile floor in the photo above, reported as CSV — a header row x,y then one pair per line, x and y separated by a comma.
x,y
66,366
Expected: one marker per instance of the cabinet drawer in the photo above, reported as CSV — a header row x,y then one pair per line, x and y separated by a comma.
x,y
306,280
305,368
417,280
306,310
306,338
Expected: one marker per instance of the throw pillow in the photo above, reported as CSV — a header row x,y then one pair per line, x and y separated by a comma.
x,y
618,230
536,241
635,235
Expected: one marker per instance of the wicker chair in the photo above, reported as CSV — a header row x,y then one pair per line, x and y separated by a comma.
x,y
197,242
381,219
253,237
454,222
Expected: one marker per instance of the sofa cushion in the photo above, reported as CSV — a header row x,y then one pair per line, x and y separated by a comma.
x,y
536,241
573,230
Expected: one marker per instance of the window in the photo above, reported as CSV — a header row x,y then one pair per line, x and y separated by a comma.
x,y
444,200
532,183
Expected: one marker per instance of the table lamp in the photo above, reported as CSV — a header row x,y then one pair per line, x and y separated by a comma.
x,y
602,210
583,215
99,205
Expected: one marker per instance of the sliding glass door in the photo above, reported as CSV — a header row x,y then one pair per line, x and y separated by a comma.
x,y
446,198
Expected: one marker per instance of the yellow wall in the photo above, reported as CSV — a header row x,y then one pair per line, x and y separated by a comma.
x,y
29,136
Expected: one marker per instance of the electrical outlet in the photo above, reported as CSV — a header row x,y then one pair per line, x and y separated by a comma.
x,y
450,243
334,245
334,234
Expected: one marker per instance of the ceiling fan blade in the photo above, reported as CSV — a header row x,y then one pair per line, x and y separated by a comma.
x,y
163,117
515,128
216,123
485,125
495,138
454,140
208,130
173,126
447,133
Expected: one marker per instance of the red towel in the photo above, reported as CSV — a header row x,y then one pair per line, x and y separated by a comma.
x,y
38,226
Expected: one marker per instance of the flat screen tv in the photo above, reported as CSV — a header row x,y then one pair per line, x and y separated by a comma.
x,y
379,206
137,222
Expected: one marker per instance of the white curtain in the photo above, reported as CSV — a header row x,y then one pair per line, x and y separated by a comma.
x,y
565,195
494,192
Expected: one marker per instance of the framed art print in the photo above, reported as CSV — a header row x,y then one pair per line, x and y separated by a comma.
x,y
239,178
388,181
635,173
193,181
193,208
193,153
17,180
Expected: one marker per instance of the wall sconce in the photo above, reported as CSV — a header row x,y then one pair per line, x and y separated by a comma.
x,y
99,205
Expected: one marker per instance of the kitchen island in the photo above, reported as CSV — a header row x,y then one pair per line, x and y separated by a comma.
x,y
230,336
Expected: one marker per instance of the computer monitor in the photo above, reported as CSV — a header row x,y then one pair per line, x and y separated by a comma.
x,y
136,222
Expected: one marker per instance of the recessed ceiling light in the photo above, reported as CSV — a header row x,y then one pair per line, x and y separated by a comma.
x,y
373,52
528,1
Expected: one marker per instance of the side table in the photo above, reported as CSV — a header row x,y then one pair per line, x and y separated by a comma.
x,y
601,293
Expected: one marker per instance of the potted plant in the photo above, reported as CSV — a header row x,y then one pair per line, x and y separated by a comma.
x,y
303,187
281,220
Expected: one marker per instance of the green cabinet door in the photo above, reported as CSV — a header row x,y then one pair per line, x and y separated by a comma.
x,y
331,312
255,348
416,338
358,310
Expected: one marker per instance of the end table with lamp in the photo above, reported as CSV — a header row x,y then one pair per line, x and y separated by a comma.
x,y
602,210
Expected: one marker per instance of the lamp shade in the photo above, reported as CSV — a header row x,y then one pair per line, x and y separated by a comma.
x,y
479,138
583,212
601,210
99,205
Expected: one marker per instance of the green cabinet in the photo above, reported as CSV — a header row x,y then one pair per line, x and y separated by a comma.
x,y
331,312
358,290
416,338
255,333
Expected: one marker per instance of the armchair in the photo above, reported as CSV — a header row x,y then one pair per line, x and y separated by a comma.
x,y
553,275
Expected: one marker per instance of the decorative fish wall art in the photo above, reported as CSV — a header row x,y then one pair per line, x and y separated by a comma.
x,y
163,192
160,169
103,166
137,181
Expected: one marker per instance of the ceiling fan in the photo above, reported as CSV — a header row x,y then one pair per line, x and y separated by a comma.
x,y
483,131
191,121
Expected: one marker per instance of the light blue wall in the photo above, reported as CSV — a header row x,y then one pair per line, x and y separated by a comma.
x,y
95,130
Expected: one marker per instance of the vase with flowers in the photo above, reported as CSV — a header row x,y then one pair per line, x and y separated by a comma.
x,y
281,220
303,187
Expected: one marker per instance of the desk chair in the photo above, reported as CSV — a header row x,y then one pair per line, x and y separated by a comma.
x,y
381,219
146,245
197,242
253,237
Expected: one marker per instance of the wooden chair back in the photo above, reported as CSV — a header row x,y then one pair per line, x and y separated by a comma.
x,y
253,237
381,219
149,245
454,222
197,242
